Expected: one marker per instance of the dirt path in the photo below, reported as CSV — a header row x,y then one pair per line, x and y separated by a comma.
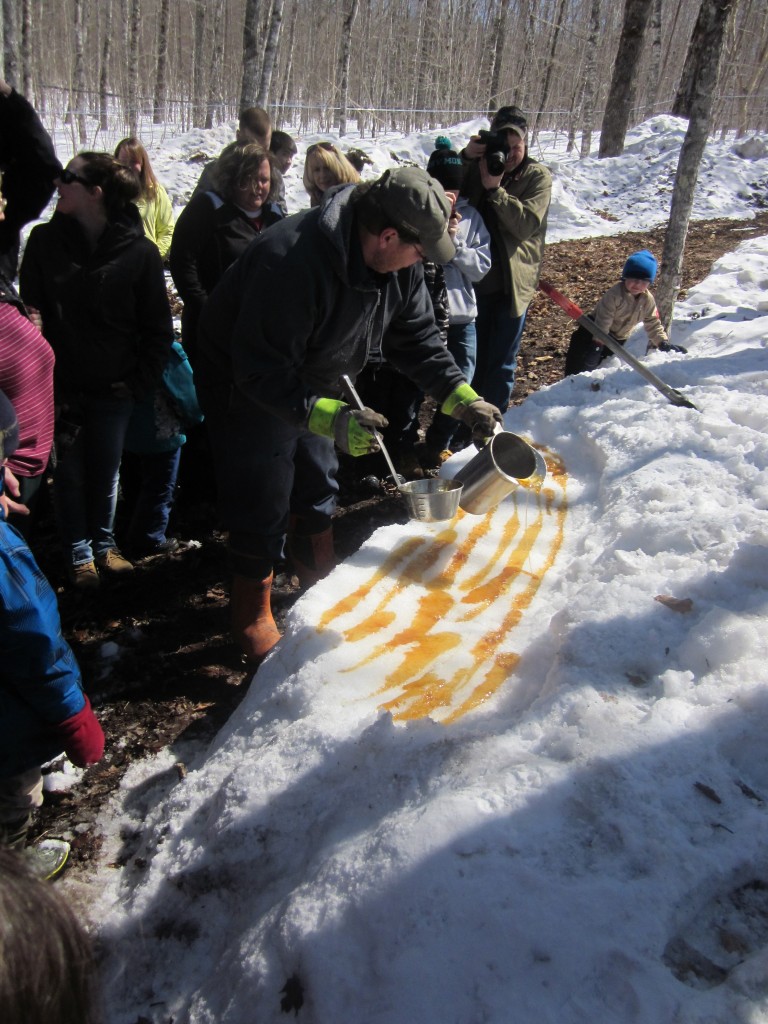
x,y
154,648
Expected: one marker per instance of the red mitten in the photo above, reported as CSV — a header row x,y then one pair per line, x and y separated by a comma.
x,y
82,736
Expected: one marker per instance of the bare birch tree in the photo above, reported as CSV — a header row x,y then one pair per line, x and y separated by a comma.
x,y
621,92
270,53
249,88
134,59
345,50
544,95
654,67
10,43
104,67
26,48
590,79
707,46
497,56
77,102
161,68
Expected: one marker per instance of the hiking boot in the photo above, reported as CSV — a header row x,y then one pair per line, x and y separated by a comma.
x,y
84,576
408,465
114,562
47,858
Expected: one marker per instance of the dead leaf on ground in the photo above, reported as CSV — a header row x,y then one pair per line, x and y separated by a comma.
x,y
683,605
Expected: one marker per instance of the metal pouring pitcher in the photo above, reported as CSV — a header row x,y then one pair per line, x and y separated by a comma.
x,y
503,464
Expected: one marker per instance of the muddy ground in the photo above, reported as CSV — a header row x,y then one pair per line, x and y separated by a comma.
x,y
154,647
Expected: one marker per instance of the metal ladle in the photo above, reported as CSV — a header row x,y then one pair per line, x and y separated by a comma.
x,y
399,480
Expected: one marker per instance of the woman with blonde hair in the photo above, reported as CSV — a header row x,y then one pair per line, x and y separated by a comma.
x,y
153,202
325,166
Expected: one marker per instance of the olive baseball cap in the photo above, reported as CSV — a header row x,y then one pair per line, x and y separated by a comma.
x,y
418,208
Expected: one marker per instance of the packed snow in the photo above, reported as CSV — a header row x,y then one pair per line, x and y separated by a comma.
x,y
510,767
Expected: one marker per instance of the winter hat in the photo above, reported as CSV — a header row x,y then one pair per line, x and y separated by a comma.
x,y
512,118
446,165
641,265
417,206
9,428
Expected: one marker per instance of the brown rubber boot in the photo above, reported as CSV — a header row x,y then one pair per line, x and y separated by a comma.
x,y
253,627
312,554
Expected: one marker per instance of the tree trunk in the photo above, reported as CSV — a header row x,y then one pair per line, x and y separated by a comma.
x,y
78,83
249,87
198,76
288,69
161,75
10,43
497,54
427,57
26,48
707,46
270,53
590,79
344,57
620,94
544,98
134,57
654,69
215,97
104,69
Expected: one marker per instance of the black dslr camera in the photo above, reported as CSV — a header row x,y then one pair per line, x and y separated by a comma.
x,y
496,150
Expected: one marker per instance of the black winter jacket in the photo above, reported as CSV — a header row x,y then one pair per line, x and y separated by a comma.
x,y
29,165
208,237
300,308
105,311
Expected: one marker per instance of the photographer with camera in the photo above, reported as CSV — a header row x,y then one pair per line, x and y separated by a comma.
x,y
512,193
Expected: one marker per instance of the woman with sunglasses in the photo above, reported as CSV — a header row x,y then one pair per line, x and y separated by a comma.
x,y
99,286
325,166
217,226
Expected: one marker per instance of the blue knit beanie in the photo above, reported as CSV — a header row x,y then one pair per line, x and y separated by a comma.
x,y
446,165
641,265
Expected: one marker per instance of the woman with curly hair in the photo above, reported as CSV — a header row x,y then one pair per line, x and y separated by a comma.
x,y
325,166
216,227
153,202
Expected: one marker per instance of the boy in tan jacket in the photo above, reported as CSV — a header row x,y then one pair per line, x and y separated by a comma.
x,y
622,307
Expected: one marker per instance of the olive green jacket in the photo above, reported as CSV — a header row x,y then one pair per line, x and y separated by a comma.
x,y
516,217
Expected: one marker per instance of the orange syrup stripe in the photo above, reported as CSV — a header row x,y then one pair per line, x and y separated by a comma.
x,y
400,554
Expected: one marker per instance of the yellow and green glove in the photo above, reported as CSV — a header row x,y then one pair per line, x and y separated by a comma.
x,y
351,429
466,405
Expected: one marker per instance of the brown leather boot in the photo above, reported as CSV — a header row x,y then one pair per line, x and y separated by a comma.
x,y
311,554
253,627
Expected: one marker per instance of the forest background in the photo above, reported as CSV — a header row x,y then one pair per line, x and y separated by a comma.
x,y
376,65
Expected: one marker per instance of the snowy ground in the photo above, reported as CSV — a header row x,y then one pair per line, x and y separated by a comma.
x,y
509,768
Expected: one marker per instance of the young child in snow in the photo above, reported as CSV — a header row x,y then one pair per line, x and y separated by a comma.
x,y
622,307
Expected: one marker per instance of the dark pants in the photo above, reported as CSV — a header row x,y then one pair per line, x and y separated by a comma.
x,y
584,353
266,469
153,499
386,390
498,342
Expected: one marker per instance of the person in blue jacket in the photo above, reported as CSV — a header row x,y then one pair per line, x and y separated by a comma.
x,y
43,708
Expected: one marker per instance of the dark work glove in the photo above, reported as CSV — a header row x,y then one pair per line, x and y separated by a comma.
x,y
666,346
351,429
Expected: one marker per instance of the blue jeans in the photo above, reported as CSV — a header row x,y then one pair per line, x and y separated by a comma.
x,y
462,344
152,505
86,479
498,343
266,469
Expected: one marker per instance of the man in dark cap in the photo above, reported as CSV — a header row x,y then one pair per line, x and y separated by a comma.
x,y
312,299
514,203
